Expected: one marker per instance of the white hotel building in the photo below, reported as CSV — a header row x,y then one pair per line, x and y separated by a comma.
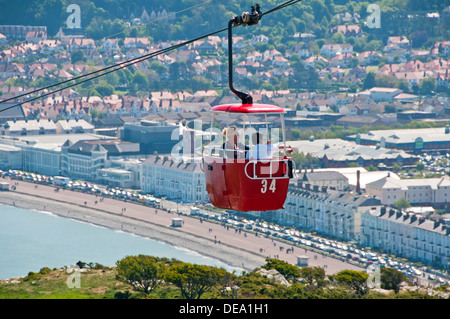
x,y
177,180
349,217
426,191
332,213
407,234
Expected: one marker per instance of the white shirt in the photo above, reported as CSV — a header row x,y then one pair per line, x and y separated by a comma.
x,y
261,151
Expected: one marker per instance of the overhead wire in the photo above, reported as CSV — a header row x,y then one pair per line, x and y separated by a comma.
x,y
111,69
120,65
97,71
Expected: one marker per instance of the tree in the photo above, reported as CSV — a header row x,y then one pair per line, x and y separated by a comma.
x,y
403,85
104,89
95,114
139,81
386,81
144,273
289,271
354,279
313,275
194,280
305,161
199,82
338,38
420,166
303,77
396,167
369,81
77,56
402,204
388,108
427,86
159,68
391,279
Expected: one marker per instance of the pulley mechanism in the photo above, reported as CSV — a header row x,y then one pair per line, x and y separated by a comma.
x,y
246,18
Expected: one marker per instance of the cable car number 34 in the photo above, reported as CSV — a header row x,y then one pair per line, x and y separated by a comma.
x,y
272,186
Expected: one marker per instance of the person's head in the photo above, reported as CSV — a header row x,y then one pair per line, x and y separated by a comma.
x,y
231,134
257,138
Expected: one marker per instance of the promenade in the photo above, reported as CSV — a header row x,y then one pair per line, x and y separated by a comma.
x,y
237,248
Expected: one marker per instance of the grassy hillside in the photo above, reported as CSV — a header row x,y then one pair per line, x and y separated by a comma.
x,y
105,283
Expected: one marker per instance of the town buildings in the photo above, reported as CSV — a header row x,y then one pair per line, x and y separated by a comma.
x,y
362,218
337,153
152,136
409,140
83,159
10,157
418,191
330,212
407,235
177,180
54,135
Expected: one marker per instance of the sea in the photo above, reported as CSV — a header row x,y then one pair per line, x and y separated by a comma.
x,y
31,240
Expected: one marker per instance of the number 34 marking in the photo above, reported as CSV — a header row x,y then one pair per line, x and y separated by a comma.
x,y
272,186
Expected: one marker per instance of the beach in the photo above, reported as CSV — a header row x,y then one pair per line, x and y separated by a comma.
x,y
234,247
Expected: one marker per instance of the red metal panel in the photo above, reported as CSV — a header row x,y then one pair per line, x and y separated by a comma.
x,y
248,108
228,187
215,182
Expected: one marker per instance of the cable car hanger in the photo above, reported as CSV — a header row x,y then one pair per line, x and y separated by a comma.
x,y
245,19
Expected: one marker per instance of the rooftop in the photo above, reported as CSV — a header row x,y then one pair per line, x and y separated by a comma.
x,y
406,135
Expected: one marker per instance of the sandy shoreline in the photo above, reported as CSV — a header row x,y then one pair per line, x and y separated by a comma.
x,y
235,257
236,248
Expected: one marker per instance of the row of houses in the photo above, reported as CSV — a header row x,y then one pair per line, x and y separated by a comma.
x,y
41,127
412,236
333,58
433,192
304,110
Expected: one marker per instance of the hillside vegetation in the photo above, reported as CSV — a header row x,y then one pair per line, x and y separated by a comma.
x,y
143,277
102,18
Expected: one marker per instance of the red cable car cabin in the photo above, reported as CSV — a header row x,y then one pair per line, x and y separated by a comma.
x,y
237,181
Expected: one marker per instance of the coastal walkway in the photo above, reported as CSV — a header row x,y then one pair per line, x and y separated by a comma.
x,y
235,247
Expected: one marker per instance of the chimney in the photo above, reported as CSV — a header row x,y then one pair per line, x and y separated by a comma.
x,y
391,212
358,184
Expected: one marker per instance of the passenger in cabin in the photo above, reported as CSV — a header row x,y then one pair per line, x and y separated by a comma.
x,y
263,151
232,148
